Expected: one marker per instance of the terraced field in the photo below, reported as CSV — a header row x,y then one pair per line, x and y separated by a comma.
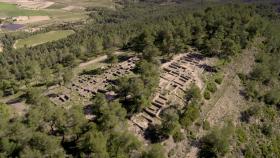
x,y
42,38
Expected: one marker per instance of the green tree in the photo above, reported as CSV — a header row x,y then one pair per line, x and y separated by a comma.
x,y
112,58
30,153
229,48
93,144
272,97
74,124
109,115
46,76
155,151
33,96
67,76
193,93
4,118
32,71
47,145
190,114
213,46
150,52
170,122
122,145
217,142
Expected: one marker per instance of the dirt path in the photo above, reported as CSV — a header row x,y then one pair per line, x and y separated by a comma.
x,y
98,59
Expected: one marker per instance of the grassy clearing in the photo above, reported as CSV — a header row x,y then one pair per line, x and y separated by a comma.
x,y
43,38
7,10
86,3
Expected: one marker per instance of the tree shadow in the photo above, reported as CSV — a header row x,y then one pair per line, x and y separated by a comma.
x,y
208,68
154,134
16,100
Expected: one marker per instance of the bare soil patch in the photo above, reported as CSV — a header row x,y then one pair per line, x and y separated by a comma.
x,y
32,19
71,8
98,59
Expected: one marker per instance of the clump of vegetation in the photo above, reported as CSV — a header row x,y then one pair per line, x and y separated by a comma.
x,y
272,97
193,94
97,71
191,112
112,59
211,86
206,125
140,88
217,142
190,115
219,78
207,95
156,151
178,136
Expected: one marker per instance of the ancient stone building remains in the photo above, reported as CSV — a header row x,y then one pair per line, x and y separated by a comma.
x,y
86,86
175,78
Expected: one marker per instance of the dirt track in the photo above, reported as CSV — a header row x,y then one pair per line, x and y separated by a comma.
x,y
33,19
98,59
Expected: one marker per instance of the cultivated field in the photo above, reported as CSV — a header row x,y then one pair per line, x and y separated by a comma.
x,y
83,3
9,10
42,38
43,13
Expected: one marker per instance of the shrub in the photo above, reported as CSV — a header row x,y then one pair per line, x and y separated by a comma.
x,y
206,125
190,115
193,93
33,96
178,136
217,142
272,98
211,86
241,135
242,77
97,71
155,151
207,95
267,130
219,80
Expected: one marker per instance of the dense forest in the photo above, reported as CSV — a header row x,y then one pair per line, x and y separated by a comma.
x,y
151,30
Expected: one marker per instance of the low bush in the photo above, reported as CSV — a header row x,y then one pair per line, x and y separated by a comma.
x,y
207,95
190,115
206,125
97,71
211,86
219,80
178,136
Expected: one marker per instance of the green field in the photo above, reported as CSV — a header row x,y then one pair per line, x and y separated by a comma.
x,y
86,3
8,10
43,38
